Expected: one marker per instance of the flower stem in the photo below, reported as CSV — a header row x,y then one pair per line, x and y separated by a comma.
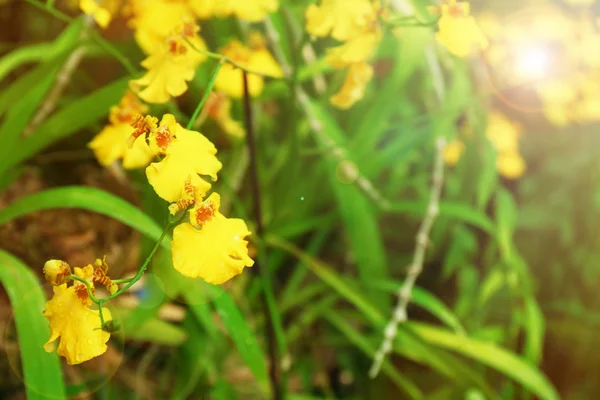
x,y
207,92
274,332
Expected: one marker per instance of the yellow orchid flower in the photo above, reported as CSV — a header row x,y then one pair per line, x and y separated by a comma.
x,y
343,19
458,31
111,143
217,251
171,66
78,328
510,164
188,154
206,9
354,86
453,151
360,46
503,133
154,22
257,58
218,108
56,272
252,11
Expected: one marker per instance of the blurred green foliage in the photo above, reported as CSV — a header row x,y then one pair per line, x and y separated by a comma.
x,y
505,307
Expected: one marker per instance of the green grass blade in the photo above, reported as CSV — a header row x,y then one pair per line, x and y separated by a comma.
x,y
70,120
85,198
41,51
488,354
427,301
41,371
152,329
357,211
241,334
363,344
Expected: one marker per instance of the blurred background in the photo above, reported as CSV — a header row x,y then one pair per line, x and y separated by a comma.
x,y
506,304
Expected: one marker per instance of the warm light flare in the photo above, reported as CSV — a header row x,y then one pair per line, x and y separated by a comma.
x,y
533,62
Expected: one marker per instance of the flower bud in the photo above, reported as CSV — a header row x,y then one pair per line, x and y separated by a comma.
x,y
56,272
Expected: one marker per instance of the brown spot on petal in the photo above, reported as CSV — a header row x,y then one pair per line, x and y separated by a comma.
x,y
204,213
163,138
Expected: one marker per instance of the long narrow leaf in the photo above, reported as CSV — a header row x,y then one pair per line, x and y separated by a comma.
x,y
41,370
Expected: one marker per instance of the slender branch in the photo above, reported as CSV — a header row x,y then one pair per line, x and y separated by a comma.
x,y
207,92
62,80
275,366
416,267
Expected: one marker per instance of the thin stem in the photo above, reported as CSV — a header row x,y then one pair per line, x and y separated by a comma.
x,y
113,51
416,267
141,271
89,287
50,10
225,59
121,281
207,92
268,304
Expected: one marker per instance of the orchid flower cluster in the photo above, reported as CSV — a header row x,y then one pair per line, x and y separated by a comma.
x,y
180,163
205,243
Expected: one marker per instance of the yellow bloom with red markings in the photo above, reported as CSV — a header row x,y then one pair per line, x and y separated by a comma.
x,y
111,143
358,48
188,155
342,19
256,58
171,65
252,11
457,29
218,107
77,327
155,21
353,89
211,246
56,272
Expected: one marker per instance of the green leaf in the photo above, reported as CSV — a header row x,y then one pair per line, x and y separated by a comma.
x,y
427,301
41,370
357,212
506,220
329,276
502,360
241,333
363,344
535,327
41,51
388,98
19,116
488,176
70,120
152,330
13,93
85,198
455,211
